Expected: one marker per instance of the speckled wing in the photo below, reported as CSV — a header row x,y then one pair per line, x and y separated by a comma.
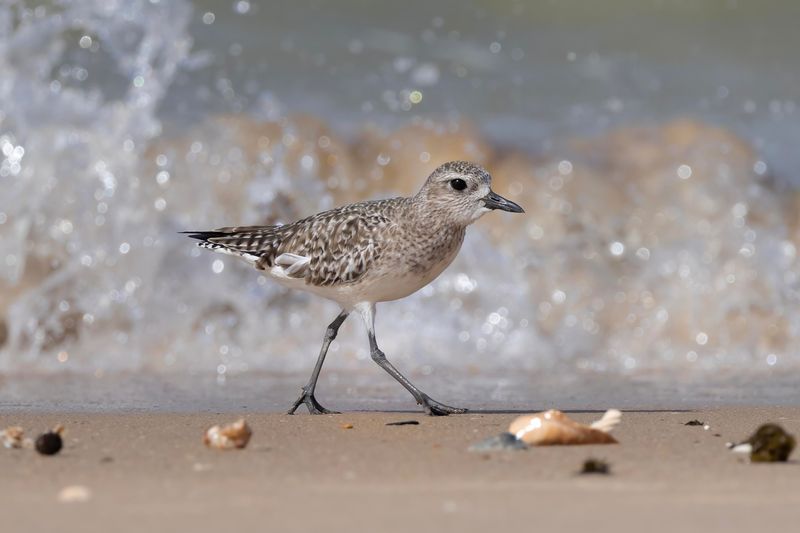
x,y
341,244
328,249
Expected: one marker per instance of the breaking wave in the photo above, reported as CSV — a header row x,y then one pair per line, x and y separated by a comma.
x,y
666,244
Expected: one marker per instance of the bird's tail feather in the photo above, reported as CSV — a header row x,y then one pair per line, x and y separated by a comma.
x,y
245,241
204,235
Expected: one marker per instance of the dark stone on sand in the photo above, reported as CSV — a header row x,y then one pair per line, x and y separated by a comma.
x,y
49,443
503,441
595,466
403,423
694,422
771,443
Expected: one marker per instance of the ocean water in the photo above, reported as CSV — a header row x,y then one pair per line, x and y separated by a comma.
x,y
653,146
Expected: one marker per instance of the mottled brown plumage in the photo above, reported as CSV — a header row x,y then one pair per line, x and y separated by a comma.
x,y
370,251
341,243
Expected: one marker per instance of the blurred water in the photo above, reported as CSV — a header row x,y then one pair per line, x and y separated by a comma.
x,y
651,243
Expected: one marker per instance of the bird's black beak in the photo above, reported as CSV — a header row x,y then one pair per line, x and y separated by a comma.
x,y
495,201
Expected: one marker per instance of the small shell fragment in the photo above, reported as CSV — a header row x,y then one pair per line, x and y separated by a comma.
x,y
75,494
554,427
235,435
12,437
769,444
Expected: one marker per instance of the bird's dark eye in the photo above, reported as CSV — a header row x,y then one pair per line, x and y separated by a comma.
x,y
458,184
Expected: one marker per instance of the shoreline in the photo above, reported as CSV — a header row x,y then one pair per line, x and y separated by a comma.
x,y
370,390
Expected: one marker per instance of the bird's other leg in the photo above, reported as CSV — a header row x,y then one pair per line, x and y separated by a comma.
x,y
431,406
307,396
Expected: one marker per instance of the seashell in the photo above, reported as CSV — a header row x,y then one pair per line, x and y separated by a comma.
x,y
75,494
769,444
235,435
554,427
12,437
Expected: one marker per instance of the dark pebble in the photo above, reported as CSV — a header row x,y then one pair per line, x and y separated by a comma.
x,y
771,444
595,466
49,443
403,423
694,422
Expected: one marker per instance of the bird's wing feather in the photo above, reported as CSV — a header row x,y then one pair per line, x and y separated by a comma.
x,y
293,265
340,245
331,248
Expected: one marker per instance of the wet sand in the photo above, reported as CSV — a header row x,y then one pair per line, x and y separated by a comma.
x,y
150,471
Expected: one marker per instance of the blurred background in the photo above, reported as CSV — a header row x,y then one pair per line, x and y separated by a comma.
x,y
653,145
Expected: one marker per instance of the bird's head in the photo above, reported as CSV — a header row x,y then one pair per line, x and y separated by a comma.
x,y
461,191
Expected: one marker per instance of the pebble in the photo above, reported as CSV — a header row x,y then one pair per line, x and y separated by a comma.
x,y
403,423
503,441
771,443
49,443
595,466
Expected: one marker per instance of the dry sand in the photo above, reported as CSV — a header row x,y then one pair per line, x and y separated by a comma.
x,y
150,472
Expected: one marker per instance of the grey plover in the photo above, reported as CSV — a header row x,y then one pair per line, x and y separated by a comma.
x,y
368,252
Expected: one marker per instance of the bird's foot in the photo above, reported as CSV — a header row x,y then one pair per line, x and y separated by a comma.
x,y
434,408
312,404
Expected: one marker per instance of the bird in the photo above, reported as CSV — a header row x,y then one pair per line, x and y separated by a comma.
x,y
368,252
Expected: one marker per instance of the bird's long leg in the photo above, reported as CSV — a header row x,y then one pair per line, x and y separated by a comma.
x,y
431,406
307,396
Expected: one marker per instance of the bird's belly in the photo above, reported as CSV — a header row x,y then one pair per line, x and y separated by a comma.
x,y
393,283
372,289
394,278
394,287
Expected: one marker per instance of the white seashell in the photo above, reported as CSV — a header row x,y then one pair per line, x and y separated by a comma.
x,y
12,437
744,447
235,435
554,427
608,421
75,494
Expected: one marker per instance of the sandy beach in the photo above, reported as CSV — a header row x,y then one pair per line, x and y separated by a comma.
x,y
150,471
